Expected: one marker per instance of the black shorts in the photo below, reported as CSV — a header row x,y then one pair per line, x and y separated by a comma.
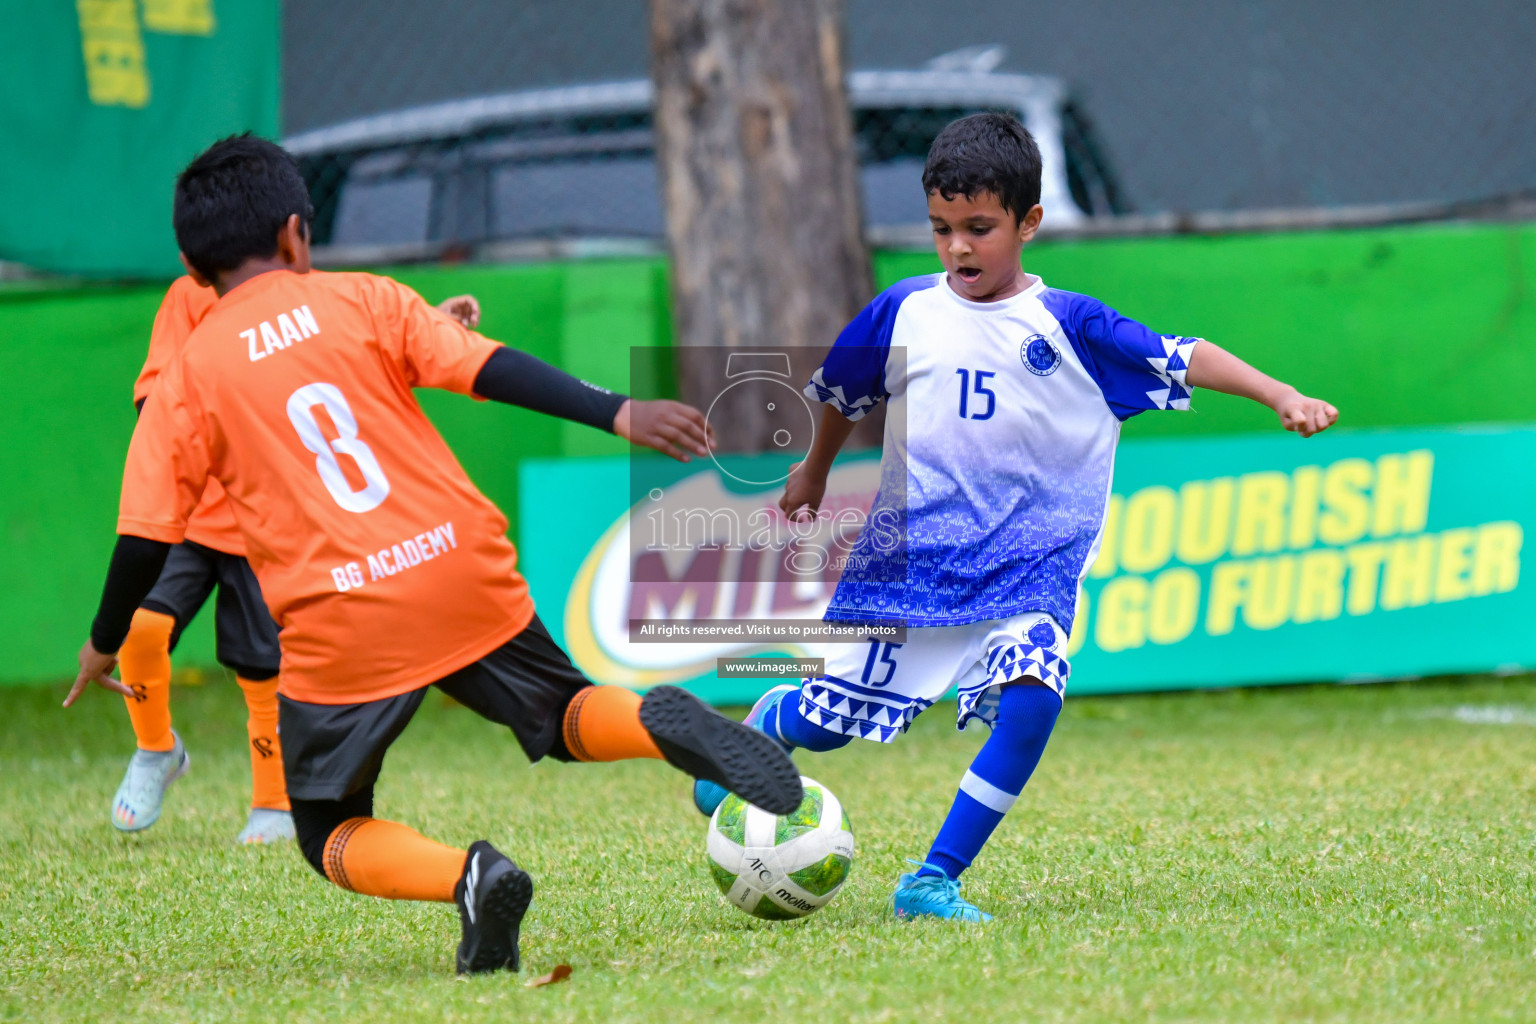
x,y
331,751
245,633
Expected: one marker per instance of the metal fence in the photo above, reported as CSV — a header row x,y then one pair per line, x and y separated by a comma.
x,y
472,124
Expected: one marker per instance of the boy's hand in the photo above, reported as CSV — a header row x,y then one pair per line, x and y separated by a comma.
x,y
803,492
463,308
1214,367
1306,416
94,668
807,483
671,428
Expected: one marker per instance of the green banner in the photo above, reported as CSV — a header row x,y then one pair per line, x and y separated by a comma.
x,y
105,101
1235,561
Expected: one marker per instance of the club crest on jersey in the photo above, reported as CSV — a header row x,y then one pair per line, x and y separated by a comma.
x,y
1039,356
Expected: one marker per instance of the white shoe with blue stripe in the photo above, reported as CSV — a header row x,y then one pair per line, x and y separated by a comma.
x,y
708,795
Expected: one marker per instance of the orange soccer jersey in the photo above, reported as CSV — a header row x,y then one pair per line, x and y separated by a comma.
x,y
184,306
382,563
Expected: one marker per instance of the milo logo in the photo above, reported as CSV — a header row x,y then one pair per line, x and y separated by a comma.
x,y
700,552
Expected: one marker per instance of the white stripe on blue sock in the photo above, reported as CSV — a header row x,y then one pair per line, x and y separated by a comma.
x,y
776,710
986,794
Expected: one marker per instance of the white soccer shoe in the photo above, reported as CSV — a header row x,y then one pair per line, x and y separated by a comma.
x,y
137,803
266,825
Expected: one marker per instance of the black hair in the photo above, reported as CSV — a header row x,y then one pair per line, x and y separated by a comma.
x,y
986,153
232,201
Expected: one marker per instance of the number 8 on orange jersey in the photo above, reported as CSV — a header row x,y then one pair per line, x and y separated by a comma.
x,y
301,413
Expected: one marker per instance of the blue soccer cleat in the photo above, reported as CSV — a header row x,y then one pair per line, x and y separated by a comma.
x,y
934,896
137,803
707,795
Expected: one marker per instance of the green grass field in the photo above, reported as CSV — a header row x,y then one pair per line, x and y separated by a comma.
x,y
1325,854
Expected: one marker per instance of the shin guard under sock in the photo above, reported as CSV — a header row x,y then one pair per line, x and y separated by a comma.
x,y
602,723
390,860
1026,715
144,662
268,788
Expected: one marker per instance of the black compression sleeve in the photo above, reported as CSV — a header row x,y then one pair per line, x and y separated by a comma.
x,y
136,565
518,378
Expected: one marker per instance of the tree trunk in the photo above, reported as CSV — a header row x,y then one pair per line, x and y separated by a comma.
x,y
754,143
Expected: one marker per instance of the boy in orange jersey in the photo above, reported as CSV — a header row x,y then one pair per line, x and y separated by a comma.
x,y
386,569
212,555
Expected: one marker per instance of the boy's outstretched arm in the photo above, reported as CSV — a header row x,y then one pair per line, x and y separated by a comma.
x,y
1212,366
517,378
807,483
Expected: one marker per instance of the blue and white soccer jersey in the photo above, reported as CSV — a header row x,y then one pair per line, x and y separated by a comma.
x,y
999,453
875,689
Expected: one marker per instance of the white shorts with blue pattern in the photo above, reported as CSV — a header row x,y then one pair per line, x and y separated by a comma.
x,y
874,689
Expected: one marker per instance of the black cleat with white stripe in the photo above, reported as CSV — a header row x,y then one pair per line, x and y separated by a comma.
x,y
704,743
492,895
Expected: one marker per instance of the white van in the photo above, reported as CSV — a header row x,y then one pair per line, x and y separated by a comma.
x,y
578,162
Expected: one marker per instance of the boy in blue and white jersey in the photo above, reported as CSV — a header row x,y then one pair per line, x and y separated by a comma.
x,y
1013,393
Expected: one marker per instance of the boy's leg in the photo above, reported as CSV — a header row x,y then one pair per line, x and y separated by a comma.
x,y
1017,689
343,841
332,755
145,665
144,662
602,723
268,790
530,685
248,644
786,720
1026,714
608,723
270,819
332,758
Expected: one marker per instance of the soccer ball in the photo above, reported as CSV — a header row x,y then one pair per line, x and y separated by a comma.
x,y
781,868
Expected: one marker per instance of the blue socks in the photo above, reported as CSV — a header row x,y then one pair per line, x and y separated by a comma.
x,y
1026,715
785,722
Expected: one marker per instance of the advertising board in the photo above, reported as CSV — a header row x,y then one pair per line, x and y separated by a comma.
x,y
1224,561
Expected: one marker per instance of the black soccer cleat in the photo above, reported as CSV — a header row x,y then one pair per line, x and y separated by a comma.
x,y
493,895
704,743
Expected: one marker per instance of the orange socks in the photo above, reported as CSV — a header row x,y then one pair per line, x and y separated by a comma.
x,y
602,723
144,662
268,788
385,858
145,665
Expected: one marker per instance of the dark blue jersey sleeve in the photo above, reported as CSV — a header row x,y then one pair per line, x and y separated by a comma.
x,y
1135,367
852,377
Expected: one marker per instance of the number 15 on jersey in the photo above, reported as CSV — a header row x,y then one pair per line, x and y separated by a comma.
x,y
970,410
